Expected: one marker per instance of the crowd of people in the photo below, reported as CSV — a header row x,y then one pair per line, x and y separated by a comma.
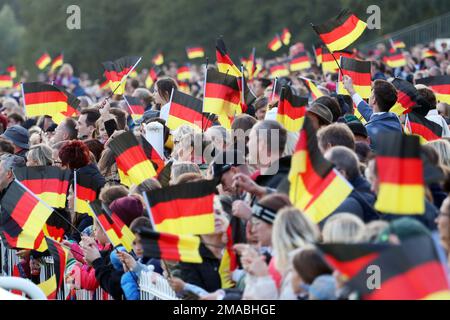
x,y
275,243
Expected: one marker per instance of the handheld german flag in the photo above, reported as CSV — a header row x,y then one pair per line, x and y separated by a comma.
x,y
12,71
131,159
50,184
300,62
42,99
400,175
127,237
350,259
406,96
183,209
224,62
440,85
164,246
59,253
395,59
73,107
278,70
195,52
429,53
43,61
329,60
57,62
135,106
21,226
410,271
312,88
6,81
184,73
117,71
186,110
221,96
153,155
316,187
397,44
86,190
275,44
152,76
286,36
158,59
251,65
340,32
418,125
291,110
359,72
318,53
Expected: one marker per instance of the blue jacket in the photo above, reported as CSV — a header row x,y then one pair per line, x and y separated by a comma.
x,y
378,123
129,281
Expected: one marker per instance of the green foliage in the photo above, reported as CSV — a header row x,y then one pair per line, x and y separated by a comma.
x,y
112,28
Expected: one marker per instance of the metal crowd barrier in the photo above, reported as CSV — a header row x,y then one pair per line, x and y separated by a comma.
x,y
153,286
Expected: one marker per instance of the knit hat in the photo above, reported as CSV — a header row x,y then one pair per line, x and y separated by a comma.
x,y
403,228
323,288
358,128
127,208
18,135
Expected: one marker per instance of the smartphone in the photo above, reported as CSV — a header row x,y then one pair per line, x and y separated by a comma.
x,y
110,126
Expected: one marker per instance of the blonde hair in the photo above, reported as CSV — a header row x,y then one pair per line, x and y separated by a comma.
x,y
291,230
443,149
178,168
343,228
41,154
101,121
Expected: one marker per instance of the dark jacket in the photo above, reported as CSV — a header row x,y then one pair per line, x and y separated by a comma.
x,y
108,277
427,219
379,123
360,202
92,171
205,274
281,169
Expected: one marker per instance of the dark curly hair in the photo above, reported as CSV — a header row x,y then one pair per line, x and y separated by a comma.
x,y
74,154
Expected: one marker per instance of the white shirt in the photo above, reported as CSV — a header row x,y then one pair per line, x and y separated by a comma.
x,y
164,112
437,118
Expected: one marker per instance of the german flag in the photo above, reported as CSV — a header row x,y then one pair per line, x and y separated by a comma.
x,y
42,99
186,110
152,76
398,44
6,81
135,106
126,236
55,282
329,63
112,227
184,209
286,36
116,72
419,125
278,70
195,52
312,88
50,184
406,96
86,190
251,65
340,32
291,110
400,174
395,59
184,73
165,246
300,62
440,85
275,44
158,59
224,62
318,54
153,155
350,259
57,62
21,226
104,85
12,71
43,61
229,261
360,73
316,187
221,96
183,86
429,53
410,271
131,159
73,107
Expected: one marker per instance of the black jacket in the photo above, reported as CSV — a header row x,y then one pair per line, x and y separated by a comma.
x,y
108,277
205,274
92,171
281,169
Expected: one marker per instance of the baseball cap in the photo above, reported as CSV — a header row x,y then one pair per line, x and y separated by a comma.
x,y
225,160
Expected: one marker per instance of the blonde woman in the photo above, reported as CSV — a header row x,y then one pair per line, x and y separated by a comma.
x,y
100,132
343,228
443,149
39,155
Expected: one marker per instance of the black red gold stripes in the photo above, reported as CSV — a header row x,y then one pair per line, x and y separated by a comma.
x,y
43,61
106,222
275,44
395,59
135,107
340,32
400,175
406,96
170,247
184,209
224,62
291,110
360,72
116,71
440,85
195,52
42,99
300,62
184,73
427,130
186,110
86,190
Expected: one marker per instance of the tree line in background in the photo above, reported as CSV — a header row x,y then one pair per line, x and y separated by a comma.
x,y
110,29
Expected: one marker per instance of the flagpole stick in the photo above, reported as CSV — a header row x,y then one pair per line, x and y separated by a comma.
x,y
45,204
128,104
123,79
23,99
243,84
203,101
149,210
273,89
331,52
75,191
